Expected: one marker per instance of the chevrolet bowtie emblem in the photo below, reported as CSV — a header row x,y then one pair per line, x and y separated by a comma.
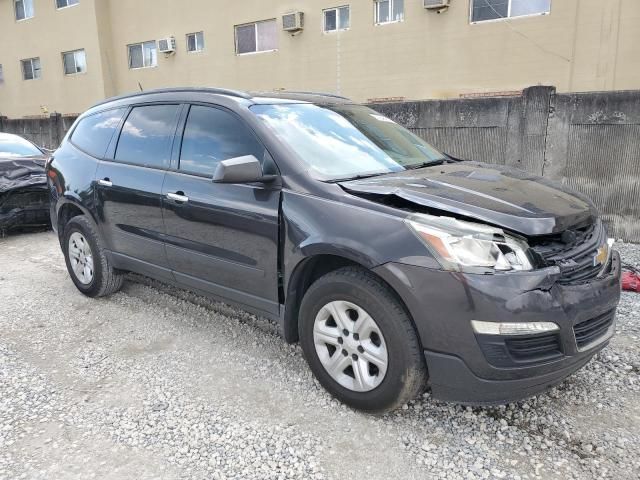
x,y
601,256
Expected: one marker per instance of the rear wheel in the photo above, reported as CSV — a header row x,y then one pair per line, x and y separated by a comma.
x,y
87,261
360,342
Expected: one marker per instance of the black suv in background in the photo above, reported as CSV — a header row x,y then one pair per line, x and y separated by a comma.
x,y
394,265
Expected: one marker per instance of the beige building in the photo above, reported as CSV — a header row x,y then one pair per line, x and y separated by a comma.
x,y
64,55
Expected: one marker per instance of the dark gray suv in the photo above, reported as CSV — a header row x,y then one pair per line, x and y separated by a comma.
x,y
394,265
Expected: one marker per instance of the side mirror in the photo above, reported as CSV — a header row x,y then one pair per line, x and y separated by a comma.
x,y
245,169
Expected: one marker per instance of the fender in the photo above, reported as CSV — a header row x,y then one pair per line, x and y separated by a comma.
x,y
71,198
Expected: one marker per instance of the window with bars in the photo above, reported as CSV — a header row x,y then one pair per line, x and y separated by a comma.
x,y
143,55
388,11
337,19
195,42
66,3
483,10
74,62
24,9
257,37
31,68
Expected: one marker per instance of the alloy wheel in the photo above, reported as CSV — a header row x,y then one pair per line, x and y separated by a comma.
x,y
350,346
81,258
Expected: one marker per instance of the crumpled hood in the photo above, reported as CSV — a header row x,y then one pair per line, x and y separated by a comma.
x,y
502,196
21,172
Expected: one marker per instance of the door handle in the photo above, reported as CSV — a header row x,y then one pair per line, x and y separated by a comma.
x,y
178,197
105,182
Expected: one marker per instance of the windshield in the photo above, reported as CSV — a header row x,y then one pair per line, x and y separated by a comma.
x,y
14,146
346,141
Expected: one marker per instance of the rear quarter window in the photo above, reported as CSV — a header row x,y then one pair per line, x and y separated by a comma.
x,y
94,132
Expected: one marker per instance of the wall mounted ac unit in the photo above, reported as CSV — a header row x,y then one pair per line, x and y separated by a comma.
x,y
435,4
293,22
167,45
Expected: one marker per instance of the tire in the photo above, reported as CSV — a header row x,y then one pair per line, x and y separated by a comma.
x,y
404,375
104,279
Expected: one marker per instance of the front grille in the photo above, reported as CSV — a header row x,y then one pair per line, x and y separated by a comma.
x,y
36,198
589,331
573,252
539,347
24,208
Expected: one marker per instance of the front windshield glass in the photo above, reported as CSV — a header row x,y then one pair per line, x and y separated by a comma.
x,y
14,146
346,141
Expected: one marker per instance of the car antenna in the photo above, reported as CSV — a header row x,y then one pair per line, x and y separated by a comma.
x,y
140,87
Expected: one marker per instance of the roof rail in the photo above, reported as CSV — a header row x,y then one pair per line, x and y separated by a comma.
x,y
218,91
319,94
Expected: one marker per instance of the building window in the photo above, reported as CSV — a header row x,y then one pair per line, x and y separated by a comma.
x,y
24,9
257,37
1,75
389,11
31,68
336,19
483,10
195,42
74,62
66,3
143,55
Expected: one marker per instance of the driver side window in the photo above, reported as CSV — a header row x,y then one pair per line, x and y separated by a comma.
x,y
212,135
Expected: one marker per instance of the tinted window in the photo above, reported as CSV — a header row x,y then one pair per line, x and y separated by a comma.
x,y
212,135
147,135
94,133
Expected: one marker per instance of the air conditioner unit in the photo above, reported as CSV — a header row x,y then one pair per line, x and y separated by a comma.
x,y
293,22
435,4
167,45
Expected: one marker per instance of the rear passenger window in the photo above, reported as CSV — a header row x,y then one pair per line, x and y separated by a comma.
x,y
147,136
94,132
212,135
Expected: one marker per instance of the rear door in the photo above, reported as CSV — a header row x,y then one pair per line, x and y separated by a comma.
x,y
129,188
221,238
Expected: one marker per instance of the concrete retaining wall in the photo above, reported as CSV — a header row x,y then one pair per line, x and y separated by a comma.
x,y
588,141
45,132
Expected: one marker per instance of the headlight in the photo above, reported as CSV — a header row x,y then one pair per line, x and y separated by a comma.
x,y
467,246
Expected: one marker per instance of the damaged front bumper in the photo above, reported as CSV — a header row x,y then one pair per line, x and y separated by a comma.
x,y
24,194
24,208
467,367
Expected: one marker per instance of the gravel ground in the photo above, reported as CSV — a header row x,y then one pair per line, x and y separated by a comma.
x,y
156,382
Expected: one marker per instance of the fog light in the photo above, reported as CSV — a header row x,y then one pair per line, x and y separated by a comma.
x,y
499,328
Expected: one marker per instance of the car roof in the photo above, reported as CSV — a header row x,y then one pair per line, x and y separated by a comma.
x,y
190,93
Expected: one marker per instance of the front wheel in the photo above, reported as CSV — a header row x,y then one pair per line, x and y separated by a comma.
x,y
360,342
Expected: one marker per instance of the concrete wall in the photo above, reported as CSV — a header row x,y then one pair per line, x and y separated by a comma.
x,y
45,131
588,141
582,45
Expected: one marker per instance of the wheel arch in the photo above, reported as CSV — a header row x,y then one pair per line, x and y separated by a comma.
x,y
68,209
307,271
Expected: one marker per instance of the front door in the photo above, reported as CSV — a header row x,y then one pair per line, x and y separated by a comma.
x,y
129,189
221,238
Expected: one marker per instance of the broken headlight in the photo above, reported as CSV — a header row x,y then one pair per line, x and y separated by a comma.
x,y
470,247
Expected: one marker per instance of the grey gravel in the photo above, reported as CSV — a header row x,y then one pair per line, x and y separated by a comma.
x,y
158,383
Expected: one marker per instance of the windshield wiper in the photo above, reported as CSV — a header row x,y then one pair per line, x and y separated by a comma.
x,y
358,177
430,163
